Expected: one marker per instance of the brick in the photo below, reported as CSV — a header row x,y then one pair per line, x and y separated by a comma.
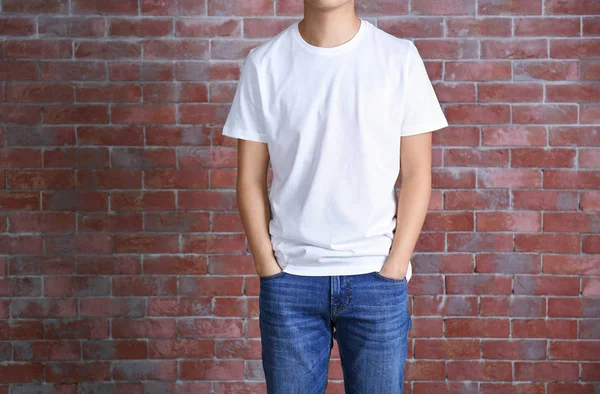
x,y
545,113
509,221
571,222
478,284
540,157
91,92
571,7
591,26
76,329
512,306
181,348
477,327
18,158
39,49
43,308
447,349
177,222
203,113
479,370
39,92
79,243
524,48
107,50
21,114
41,265
475,157
144,201
71,27
73,71
573,307
425,370
590,70
80,286
447,48
175,92
449,221
544,328
182,306
546,70
146,243
36,6
571,265
206,71
155,27
574,48
176,49
74,200
548,243
547,27
109,307
143,114
71,372
107,7
46,350
570,179
114,350
64,114
209,328
31,373
145,370
589,113
110,135
431,7
144,286
144,328
477,71
175,8
478,27
225,8
510,92
546,371
109,265
17,26
477,113
581,92
507,7
213,27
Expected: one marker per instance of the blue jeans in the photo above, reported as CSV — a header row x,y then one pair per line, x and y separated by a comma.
x,y
300,316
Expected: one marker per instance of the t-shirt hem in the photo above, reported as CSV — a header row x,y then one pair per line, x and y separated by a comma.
x,y
245,135
423,128
365,267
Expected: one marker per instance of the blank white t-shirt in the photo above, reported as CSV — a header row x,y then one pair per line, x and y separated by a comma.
x,y
332,119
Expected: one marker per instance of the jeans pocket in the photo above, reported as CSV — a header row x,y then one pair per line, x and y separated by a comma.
x,y
277,275
382,277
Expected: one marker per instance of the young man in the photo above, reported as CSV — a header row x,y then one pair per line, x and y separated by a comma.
x,y
337,106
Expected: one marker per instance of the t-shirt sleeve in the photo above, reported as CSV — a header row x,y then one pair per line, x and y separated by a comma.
x,y
422,110
245,119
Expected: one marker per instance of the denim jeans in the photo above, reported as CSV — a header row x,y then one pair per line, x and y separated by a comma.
x,y
300,316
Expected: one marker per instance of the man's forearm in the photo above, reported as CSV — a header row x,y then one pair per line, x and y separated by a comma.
x,y
255,212
413,204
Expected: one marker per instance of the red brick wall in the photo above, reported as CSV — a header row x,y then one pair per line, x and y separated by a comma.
x,y
122,254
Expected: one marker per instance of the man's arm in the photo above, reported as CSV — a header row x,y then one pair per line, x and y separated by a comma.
x,y
413,202
253,203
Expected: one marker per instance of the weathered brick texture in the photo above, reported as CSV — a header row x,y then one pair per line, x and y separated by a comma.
x,y
123,263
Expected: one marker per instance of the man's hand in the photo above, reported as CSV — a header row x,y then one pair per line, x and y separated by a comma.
x,y
268,268
394,271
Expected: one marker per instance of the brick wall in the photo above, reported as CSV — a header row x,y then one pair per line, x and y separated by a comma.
x,y
122,257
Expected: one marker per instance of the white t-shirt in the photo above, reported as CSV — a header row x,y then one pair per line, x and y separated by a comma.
x,y
332,119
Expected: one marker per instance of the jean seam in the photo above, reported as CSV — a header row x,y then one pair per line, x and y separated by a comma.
x,y
263,278
403,280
